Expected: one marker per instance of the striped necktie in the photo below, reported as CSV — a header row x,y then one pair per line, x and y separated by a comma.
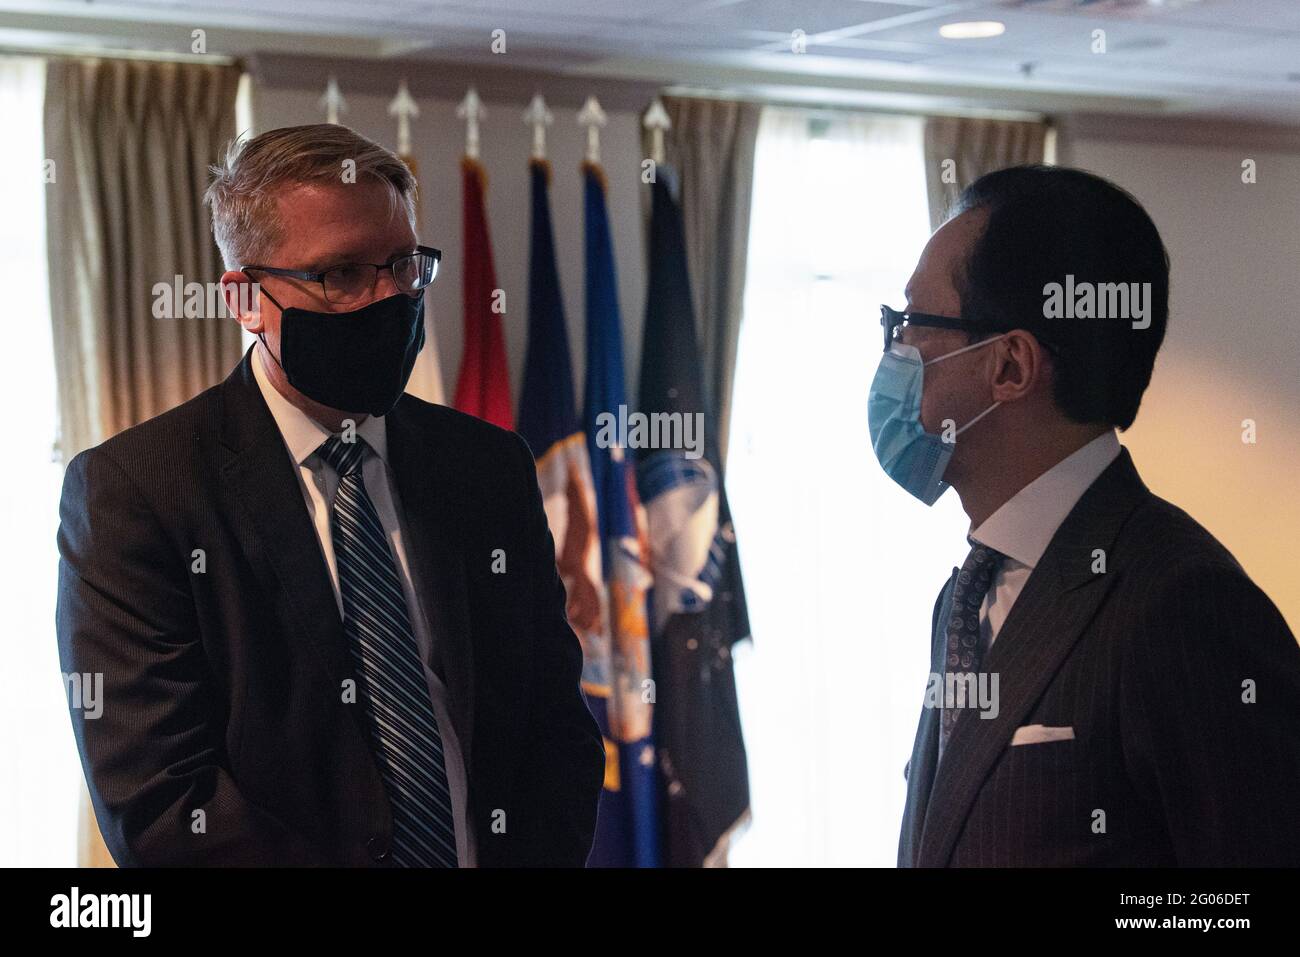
x,y
390,677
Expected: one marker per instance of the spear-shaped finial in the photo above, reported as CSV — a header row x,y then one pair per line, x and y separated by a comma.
x,y
471,111
656,121
539,118
404,108
593,118
332,101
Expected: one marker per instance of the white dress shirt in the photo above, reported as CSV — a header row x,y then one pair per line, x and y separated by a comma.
x,y
302,436
1025,523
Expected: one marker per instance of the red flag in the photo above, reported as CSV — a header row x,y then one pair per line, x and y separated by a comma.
x,y
483,386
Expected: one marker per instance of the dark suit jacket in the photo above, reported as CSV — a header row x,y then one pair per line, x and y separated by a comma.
x,y
1147,663
223,688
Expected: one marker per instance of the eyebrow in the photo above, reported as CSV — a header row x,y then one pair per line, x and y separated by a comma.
x,y
351,258
321,263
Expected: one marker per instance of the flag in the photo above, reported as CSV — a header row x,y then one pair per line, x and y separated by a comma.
x,y
483,386
698,602
549,422
426,377
627,828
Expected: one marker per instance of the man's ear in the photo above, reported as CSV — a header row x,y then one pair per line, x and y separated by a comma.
x,y
243,300
1021,366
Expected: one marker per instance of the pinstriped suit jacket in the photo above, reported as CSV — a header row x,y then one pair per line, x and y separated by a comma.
x,y
1149,663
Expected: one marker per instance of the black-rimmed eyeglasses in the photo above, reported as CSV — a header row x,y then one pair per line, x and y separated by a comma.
x,y
893,322
350,283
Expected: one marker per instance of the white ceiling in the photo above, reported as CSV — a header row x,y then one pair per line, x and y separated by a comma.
x,y
1228,58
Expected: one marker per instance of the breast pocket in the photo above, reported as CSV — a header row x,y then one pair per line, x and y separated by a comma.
x,y
1032,809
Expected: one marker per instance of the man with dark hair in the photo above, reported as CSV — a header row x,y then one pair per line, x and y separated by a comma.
x,y
1108,686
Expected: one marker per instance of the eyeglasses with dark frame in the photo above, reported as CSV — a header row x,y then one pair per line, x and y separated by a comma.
x,y
350,283
893,322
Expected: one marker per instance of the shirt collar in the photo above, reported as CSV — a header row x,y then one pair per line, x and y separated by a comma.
x,y
303,434
1024,524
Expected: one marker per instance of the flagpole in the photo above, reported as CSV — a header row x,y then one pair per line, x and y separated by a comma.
x,y
539,118
426,377
471,111
593,118
404,107
332,101
483,382
656,121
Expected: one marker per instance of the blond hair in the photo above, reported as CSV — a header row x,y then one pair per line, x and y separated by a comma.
x,y
245,218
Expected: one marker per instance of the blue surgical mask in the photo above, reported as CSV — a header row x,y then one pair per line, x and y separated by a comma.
x,y
911,456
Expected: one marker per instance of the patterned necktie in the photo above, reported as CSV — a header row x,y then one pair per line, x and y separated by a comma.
x,y
963,648
404,730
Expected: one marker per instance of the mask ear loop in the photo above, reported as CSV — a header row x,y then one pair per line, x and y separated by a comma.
x,y
957,352
973,345
976,419
262,336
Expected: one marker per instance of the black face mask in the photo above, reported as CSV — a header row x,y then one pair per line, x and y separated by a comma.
x,y
357,361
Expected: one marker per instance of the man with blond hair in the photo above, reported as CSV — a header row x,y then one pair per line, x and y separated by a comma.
x,y
326,613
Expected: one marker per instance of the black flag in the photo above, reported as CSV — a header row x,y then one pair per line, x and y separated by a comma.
x,y
698,608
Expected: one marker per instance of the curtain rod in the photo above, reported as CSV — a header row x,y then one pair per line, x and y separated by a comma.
x,y
101,53
816,106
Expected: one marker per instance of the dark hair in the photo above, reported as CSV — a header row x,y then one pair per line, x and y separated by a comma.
x,y
1049,222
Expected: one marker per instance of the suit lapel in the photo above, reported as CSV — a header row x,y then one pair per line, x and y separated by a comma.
x,y
434,541
262,492
925,750
1057,603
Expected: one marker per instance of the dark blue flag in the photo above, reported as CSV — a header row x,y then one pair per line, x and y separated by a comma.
x,y
548,420
627,829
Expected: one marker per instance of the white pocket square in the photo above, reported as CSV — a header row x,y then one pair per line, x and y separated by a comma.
x,y
1039,733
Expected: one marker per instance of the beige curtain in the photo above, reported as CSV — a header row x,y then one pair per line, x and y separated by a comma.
x,y
959,150
131,142
711,146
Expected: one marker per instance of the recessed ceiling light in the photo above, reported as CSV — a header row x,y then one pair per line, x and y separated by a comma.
x,y
972,29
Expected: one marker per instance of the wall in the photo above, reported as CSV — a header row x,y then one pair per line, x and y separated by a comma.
x,y
285,93
1232,351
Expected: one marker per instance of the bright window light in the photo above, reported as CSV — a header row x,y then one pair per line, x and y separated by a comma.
x,y
841,566
40,785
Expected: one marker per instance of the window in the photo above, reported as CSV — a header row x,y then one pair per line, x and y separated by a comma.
x,y
40,786
842,567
